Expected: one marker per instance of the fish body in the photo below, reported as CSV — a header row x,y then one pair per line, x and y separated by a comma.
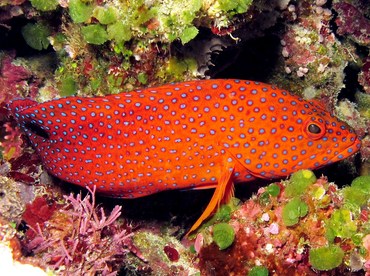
x,y
193,134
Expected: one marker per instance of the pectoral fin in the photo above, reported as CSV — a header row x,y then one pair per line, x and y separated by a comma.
x,y
222,194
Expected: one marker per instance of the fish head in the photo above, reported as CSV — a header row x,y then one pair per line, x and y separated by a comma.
x,y
326,139
297,134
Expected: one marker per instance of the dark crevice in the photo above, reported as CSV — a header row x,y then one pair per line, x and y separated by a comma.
x,y
254,60
351,84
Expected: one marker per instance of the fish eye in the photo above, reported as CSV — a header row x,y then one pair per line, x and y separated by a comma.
x,y
37,130
314,129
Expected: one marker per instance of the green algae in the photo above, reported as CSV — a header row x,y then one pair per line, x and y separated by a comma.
x,y
44,5
94,34
258,271
119,31
178,19
340,224
363,102
80,11
142,78
68,87
326,258
223,235
238,6
357,194
188,34
293,211
362,183
177,68
354,197
272,190
116,26
36,35
105,15
299,182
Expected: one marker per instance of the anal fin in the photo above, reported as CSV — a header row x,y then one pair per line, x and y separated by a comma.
x,y
223,193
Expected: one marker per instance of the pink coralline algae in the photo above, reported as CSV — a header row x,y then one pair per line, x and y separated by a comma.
x,y
352,22
80,239
11,142
14,79
364,76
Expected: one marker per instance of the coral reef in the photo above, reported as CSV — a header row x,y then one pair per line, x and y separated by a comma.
x,y
314,58
352,23
310,225
131,41
164,254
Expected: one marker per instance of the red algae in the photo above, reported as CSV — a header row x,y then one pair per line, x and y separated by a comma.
x,y
352,22
37,213
364,76
171,253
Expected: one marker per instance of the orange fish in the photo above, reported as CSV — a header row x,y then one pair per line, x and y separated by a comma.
x,y
196,134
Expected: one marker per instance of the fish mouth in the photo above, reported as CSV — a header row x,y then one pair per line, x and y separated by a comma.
x,y
352,149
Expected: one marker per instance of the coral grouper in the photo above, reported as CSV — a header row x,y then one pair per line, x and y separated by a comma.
x,y
196,134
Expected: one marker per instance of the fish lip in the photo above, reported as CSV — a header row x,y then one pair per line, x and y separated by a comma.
x,y
356,145
335,158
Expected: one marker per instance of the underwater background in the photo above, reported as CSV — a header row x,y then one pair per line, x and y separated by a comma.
x,y
310,223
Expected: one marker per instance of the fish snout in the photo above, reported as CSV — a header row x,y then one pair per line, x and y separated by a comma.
x,y
352,147
16,106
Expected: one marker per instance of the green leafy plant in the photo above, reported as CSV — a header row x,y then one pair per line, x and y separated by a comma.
x,y
68,86
79,11
293,211
223,235
44,5
271,190
298,183
326,258
362,183
340,225
258,271
358,193
188,34
105,15
237,6
36,35
119,31
94,34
